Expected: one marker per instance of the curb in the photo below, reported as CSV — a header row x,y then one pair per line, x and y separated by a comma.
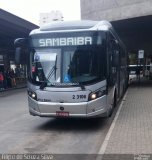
x,y
10,89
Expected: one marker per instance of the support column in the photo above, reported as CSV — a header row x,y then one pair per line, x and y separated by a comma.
x,y
6,61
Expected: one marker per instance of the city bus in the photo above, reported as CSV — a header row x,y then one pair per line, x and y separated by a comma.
x,y
75,69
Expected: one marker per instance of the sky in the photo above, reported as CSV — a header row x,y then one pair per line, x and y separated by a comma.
x,y
30,9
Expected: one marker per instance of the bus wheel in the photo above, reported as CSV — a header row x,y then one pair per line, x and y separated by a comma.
x,y
115,100
110,111
113,105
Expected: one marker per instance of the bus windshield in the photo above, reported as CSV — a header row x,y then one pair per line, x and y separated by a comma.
x,y
68,65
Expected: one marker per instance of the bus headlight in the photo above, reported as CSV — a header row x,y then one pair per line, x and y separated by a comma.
x,y
97,94
32,95
93,96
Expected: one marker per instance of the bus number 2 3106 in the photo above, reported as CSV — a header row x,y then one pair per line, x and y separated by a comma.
x,y
79,96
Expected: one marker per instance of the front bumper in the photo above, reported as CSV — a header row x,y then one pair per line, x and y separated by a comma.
x,y
93,108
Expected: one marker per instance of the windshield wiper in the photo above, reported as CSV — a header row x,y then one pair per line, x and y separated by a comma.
x,y
53,70
82,86
43,85
51,73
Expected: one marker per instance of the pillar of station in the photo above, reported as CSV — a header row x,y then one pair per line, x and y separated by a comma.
x,y
6,61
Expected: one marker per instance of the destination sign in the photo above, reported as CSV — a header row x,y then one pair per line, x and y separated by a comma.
x,y
64,41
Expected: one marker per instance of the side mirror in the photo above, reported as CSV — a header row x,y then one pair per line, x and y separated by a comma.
x,y
18,53
115,58
20,44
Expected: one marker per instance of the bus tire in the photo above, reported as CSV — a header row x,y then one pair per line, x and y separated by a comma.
x,y
113,105
111,111
115,100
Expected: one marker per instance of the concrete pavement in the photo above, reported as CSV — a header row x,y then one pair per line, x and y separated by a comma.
x,y
131,136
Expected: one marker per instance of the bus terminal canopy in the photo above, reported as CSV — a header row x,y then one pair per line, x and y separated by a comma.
x,y
12,27
136,33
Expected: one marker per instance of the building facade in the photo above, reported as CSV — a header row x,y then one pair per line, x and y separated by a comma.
x,y
113,10
49,17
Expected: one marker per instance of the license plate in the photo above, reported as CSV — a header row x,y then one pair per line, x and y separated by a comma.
x,y
62,114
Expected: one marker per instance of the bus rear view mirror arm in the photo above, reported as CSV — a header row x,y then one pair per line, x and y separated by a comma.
x,y
21,42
